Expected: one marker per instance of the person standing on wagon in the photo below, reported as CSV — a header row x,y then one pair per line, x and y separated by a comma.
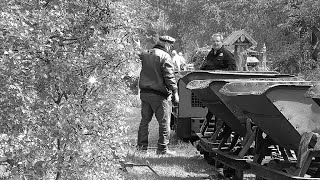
x,y
219,58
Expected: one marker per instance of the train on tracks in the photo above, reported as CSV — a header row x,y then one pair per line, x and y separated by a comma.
x,y
264,123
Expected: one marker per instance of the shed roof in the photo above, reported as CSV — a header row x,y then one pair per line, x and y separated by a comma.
x,y
234,36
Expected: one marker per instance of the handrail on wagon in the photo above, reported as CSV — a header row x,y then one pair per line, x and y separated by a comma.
x,y
261,87
200,84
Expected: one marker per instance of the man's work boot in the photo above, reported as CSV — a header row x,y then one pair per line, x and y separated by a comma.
x,y
167,152
143,149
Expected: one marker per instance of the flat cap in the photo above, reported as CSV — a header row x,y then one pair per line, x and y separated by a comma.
x,y
167,39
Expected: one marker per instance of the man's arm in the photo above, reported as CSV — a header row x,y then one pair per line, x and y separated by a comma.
x,y
205,65
230,61
168,75
169,78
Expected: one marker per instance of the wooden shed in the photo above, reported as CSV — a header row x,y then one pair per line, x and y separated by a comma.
x,y
239,41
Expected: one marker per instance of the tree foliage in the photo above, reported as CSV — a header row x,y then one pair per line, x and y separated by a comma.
x,y
62,95
63,65
283,25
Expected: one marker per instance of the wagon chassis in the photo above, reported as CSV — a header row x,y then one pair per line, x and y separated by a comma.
x,y
218,152
235,166
233,163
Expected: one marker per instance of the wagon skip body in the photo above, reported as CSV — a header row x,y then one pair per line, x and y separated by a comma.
x,y
220,105
281,109
288,113
190,110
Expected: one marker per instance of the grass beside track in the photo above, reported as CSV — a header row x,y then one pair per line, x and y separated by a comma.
x,y
187,163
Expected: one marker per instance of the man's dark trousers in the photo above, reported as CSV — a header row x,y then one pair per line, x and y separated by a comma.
x,y
161,107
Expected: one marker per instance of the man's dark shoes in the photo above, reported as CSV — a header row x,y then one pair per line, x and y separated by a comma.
x,y
167,152
143,149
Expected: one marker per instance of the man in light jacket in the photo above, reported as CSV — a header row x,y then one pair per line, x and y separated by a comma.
x,y
157,84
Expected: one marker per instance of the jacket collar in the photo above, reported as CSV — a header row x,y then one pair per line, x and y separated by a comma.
x,y
161,47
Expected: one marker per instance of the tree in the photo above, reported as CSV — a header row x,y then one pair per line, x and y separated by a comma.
x,y
284,26
62,92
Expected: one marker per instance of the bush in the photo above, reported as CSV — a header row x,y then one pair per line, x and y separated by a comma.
x,y
199,56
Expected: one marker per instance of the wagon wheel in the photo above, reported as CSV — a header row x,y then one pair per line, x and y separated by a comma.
x,y
208,157
228,172
233,173
200,149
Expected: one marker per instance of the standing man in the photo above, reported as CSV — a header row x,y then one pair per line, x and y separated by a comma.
x,y
157,83
219,58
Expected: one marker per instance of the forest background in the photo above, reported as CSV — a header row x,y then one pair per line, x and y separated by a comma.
x,y
64,65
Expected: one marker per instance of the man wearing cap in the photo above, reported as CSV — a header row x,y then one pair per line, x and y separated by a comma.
x,y
157,83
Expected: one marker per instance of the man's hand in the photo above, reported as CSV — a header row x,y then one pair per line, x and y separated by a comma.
x,y
175,97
